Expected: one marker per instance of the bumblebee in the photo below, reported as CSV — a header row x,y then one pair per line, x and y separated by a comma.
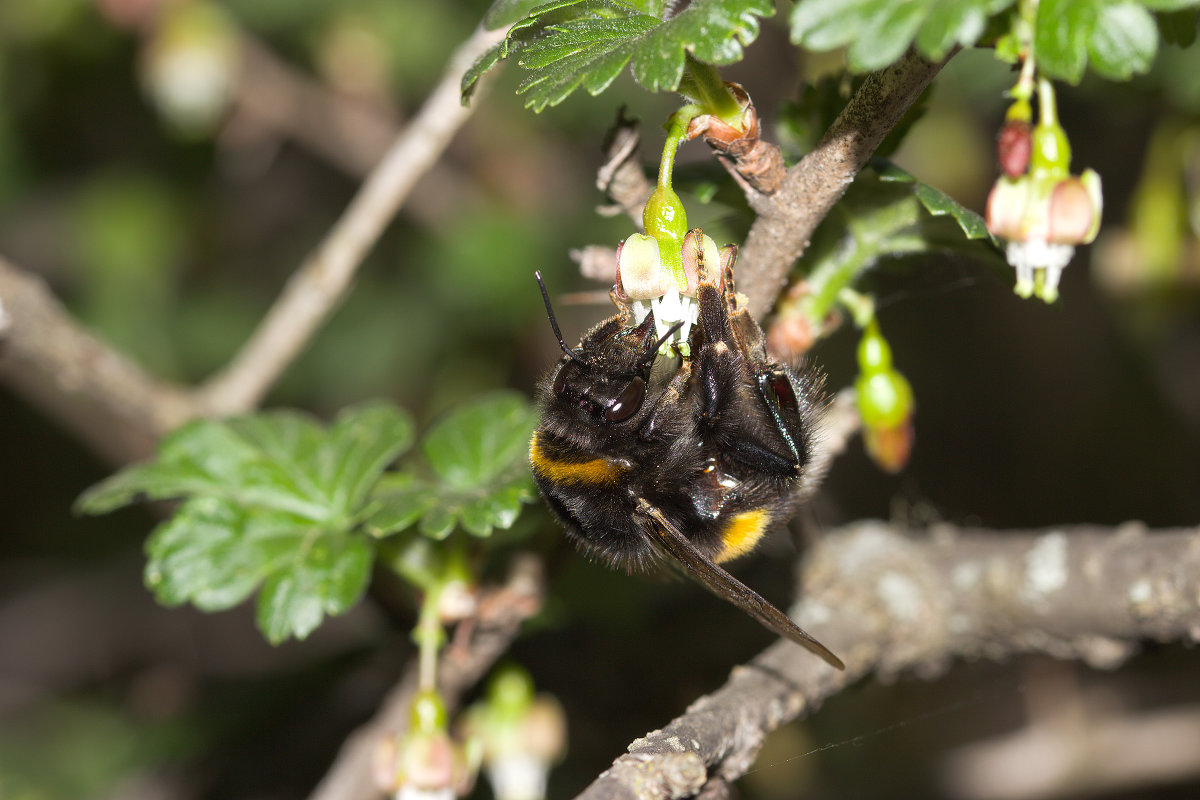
x,y
689,459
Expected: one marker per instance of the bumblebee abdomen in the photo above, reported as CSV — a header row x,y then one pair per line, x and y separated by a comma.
x,y
741,532
556,464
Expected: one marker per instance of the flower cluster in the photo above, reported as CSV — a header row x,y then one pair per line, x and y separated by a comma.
x,y
651,277
1037,205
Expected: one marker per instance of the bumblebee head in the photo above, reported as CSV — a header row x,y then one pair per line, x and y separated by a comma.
x,y
606,377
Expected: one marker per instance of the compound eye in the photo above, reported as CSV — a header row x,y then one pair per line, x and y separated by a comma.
x,y
628,402
781,387
560,380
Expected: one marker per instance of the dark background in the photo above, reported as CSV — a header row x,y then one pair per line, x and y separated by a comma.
x,y
172,245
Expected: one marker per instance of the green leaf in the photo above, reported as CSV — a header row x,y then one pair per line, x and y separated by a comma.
x,y
506,12
886,36
1061,34
400,500
477,457
571,43
935,201
1124,42
270,499
362,442
481,439
214,554
887,213
327,576
1178,27
878,32
279,461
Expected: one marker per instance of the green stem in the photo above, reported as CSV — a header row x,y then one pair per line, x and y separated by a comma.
x,y
714,96
676,132
1047,107
429,637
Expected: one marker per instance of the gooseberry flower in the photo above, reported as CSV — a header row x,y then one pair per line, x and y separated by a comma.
x,y
885,402
521,735
1043,211
424,763
647,279
190,64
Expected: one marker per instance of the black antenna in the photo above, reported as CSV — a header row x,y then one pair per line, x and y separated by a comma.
x,y
553,322
654,350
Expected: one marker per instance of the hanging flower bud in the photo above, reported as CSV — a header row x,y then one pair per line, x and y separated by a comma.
x,y
424,763
640,274
190,64
647,280
1043,212
885,402
1013,147
521,735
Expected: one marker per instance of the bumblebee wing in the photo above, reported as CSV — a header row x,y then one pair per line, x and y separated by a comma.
x,y
723,585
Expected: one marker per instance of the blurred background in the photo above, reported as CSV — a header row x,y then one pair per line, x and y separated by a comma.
x,y
165,182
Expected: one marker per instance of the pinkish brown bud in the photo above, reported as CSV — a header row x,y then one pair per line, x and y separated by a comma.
x,y
1006,204
790,337
1013,146
889,447
1074,212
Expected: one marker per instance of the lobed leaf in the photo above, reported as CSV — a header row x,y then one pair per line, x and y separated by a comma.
x,y
270,500
214,554
877,32
1124,42
571,43
480,478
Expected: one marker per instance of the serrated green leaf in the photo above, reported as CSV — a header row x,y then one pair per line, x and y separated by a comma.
x,y
886,35
1124,41
1062,31
277,461
399,502
477,455
482,66
214,554
438,522
362,442
571,43
200,556
270,499
480,440
506,12
215,459
326,577
878,32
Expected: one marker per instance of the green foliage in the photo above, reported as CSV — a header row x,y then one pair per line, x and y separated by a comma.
x,y
1118,37
275,502
887,213
478,477
571,43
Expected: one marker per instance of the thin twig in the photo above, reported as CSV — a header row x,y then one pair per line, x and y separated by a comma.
x,y
786,220
106,399
887,602
321,282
